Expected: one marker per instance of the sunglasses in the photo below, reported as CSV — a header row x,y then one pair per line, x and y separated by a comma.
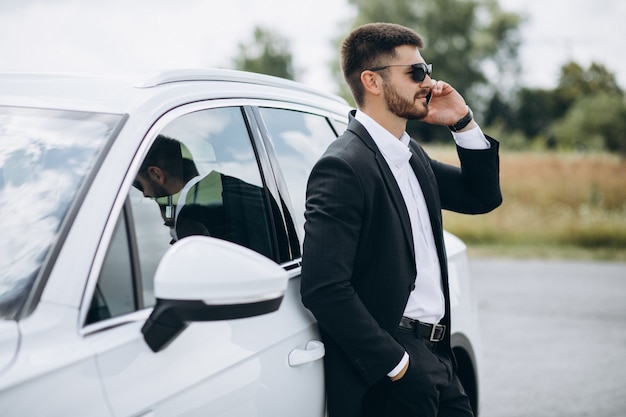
x,y
418,71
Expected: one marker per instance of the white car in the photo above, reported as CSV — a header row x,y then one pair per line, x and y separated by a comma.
x,y
107,308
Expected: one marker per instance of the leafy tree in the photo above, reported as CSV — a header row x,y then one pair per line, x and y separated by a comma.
x,y
464,40
268,53
499,111
585,110
576,82
536,110
596,122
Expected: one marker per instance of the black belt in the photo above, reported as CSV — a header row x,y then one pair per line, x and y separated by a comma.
x,y
432,332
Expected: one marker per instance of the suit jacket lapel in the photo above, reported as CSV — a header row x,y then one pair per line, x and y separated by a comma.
x,y
428,190
434,210
394,191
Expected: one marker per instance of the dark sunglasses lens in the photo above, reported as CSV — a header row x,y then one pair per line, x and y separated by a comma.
x,y
419,72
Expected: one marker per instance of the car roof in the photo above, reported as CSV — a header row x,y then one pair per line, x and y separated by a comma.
x,y
120,93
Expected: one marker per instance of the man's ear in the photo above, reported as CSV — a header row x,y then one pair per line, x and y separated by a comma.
x,y
372,82
156,174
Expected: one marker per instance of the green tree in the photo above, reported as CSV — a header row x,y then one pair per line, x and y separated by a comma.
x,y
596,122
585,110
268,53
465,40
575,82
536,111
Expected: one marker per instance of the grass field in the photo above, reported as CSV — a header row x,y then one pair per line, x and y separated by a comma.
x,y
555,205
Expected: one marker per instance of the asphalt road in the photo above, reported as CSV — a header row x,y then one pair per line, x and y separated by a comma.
x,y
554,338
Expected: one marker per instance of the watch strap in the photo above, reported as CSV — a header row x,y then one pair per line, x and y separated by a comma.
x,y
463,121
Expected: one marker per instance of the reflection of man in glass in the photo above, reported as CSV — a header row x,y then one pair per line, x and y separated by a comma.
x,y
215,205
164,174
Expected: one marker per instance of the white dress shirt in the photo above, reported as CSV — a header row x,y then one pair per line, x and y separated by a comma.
x,y
426,301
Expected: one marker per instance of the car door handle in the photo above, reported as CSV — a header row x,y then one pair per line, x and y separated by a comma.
x,y
313,351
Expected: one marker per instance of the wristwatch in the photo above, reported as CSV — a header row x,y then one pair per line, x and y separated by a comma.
x,y
463,121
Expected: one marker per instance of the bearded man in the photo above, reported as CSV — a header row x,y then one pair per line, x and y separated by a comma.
x,y
374,269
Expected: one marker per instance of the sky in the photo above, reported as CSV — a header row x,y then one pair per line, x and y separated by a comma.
x,y
128,36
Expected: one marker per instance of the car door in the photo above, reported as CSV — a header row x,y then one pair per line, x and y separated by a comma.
x,y
260,366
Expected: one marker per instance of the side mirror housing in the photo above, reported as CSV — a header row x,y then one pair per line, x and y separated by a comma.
x,y
207,279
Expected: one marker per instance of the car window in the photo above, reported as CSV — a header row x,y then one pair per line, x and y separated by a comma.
x,y
46,159
200,177
339,125
116,291
299,139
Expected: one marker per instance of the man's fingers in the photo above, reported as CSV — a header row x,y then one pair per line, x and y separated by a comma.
x,y
402,372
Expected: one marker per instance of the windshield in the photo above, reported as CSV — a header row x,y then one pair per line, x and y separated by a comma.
x,y
45,155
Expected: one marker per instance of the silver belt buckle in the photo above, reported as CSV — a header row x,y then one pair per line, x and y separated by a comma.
x,y
432,333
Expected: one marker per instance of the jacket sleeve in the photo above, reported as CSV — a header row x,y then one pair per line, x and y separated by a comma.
x,y
474,188
334,211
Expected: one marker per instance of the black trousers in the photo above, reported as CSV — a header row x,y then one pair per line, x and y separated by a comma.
x,y
430,387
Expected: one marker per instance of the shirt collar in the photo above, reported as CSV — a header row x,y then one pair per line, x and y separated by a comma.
x,y
395,151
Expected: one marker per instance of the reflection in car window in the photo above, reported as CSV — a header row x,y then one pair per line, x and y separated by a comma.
x,y
299,140
45,156
115,292
200,177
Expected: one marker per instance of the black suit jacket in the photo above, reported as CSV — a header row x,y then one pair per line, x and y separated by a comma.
x,y
358,265
240,218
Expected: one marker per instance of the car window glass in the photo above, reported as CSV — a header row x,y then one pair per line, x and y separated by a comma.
x,y
115,292
46,158
152,240
299,140
339,125
200,177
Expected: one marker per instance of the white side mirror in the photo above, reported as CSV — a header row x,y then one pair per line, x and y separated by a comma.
x,y
217,272
205,279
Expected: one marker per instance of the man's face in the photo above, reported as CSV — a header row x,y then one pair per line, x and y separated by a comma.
x,y
149,186
404,97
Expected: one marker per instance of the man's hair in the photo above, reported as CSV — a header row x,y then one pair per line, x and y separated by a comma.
x,y
165,153
372,45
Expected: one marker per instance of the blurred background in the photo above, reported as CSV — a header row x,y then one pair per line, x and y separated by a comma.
x,y
546,78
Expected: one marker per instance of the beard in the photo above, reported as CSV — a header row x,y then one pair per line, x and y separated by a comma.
x,y
401,107
154,189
